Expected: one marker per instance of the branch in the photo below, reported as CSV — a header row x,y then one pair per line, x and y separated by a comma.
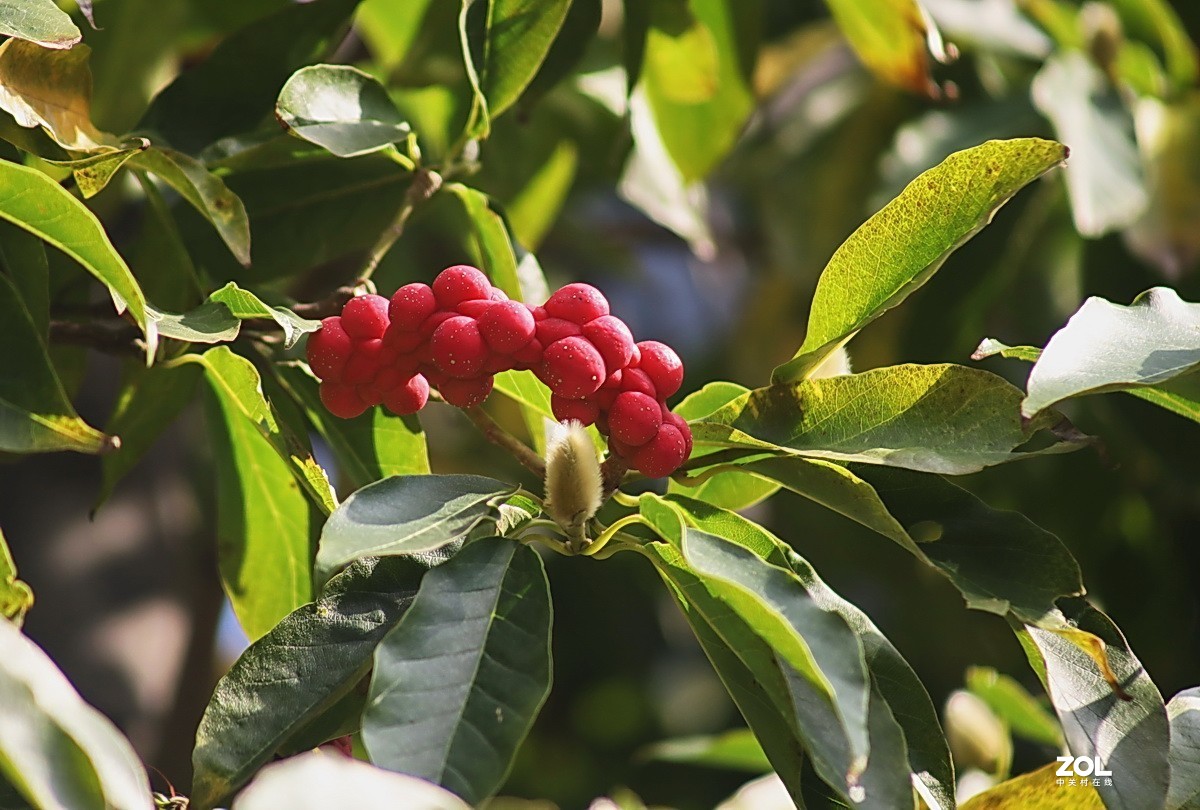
x,y
425,183
612,473
113,336
503,439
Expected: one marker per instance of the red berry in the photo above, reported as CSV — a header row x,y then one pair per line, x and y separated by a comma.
x,y
507,326
401,342
684,428
328,349
584,411
364,363
460,283
496,363
577,302
663,454
410,306
572,368
435,320
625,451
549,330
388,378
466,393
634,379
458,348
612,339
498,294
409,397
539,313
365,317
663,365
341,400
634,418
529,356
370,394
475,307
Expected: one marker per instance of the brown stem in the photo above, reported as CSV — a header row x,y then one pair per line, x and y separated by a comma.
x,y
503,439
112,336
425,183
612,472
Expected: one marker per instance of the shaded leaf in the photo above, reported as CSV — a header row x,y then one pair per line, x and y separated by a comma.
x,y
197,108
52,89
898,249
23,257
1184,714
316,782
1037,790
1157,19
369,447
35,203
737,750
15,596
206,192
35,414
1023,714
341,109
57,750
1127,732
148,404
39,21
940,418
1104,174
459,681
410,514
509,267
304,665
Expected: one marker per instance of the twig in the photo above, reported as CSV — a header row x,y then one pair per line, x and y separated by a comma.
x,y
425,183
612,472
113,336
503,439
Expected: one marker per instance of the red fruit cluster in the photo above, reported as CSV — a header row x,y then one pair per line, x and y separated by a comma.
x,y
459,333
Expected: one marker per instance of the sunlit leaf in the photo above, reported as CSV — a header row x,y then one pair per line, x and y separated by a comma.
x,y
1023,714
1184,714
39,21
15,596
1037,790
736,750
340,108
893,38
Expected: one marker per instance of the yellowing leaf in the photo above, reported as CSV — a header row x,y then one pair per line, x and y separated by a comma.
x,y
1037,790
51,89
893,38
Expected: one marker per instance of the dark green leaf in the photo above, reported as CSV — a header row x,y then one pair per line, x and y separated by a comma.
x,y
318,782
458,682
341,109
198,107
898,249
35,414
57,750
304,665
1127,732
737,750
942,418
34,202
1184,714
206,192
568,49
39,21
15,596
409,514
148,403
1104,174
369,447
23,257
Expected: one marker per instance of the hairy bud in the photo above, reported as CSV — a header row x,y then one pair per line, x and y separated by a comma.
x,y
573,480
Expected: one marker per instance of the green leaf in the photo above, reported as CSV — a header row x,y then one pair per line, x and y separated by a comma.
x,y
55,749
92,173
737,750
891,675
35,414
206,192
15,596
698,60
369,447
340,108
898,249
390,30
1036,790
1184,714
198,108
303,666
504,44
23,257
1128,732
51,89
1156,18
244,304
410,514
1104,174
219,319
571,44
524,388
316,782
1023,714
39,21
943,418
893,38
148,403
458,682
34,202
1110,347
509,267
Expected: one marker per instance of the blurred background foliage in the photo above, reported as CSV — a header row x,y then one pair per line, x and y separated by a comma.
x,y
707,230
